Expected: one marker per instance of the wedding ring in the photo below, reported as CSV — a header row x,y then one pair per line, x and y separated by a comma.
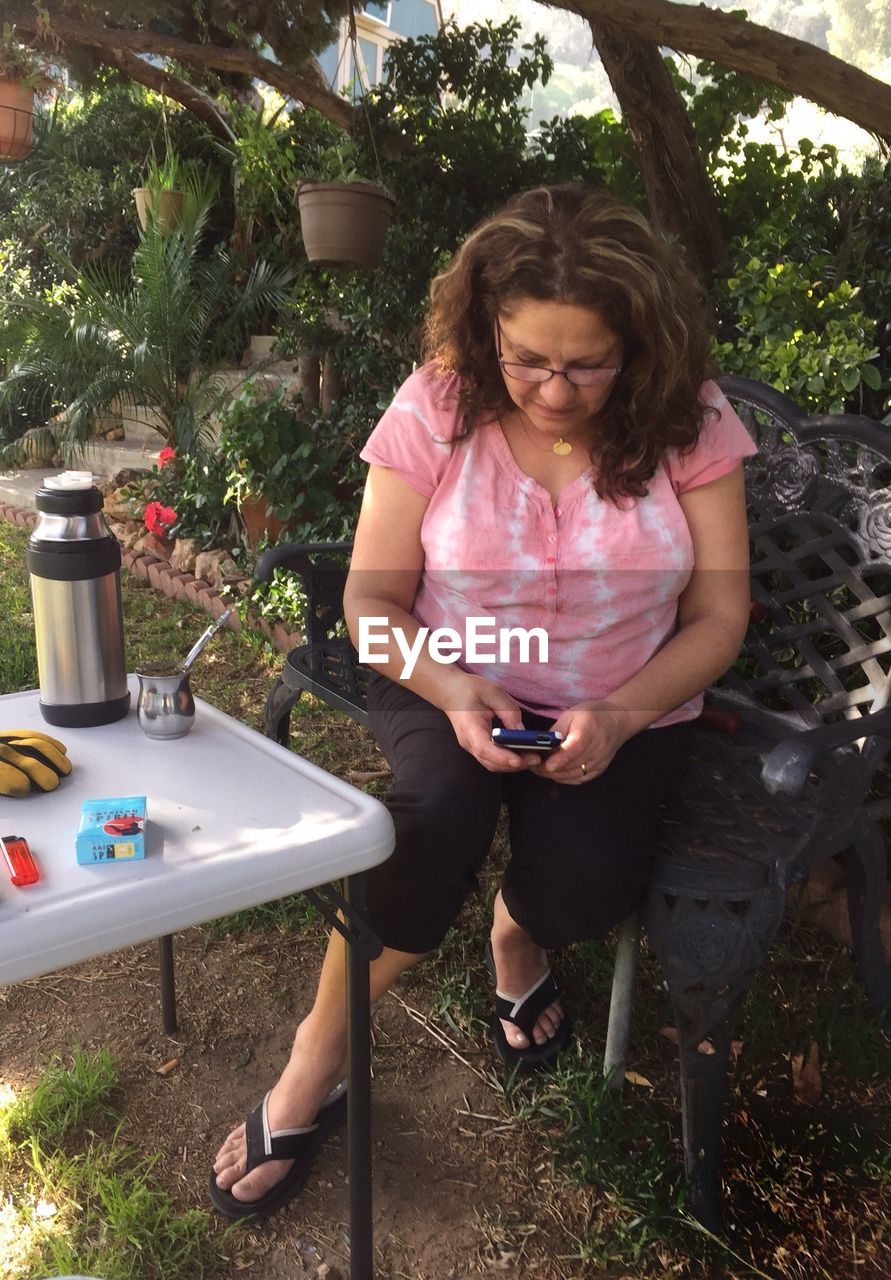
x,y
584,768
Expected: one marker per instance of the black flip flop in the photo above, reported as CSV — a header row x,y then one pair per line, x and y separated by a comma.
x,y
523,1011
264,1144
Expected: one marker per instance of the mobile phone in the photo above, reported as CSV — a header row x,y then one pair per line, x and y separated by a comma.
x,y
541,740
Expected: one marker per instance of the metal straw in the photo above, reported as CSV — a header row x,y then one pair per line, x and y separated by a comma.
x,y
203,639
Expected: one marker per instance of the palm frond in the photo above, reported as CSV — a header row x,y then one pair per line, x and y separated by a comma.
x,y
150,335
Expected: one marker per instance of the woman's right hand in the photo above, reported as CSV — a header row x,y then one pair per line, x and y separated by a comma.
x,y
474,704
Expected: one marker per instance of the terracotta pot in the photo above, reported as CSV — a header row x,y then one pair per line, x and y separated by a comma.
x,y
344,223
257,523
167,207
16,120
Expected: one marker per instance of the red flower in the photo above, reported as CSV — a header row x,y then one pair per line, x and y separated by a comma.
x,y
159,519
167,454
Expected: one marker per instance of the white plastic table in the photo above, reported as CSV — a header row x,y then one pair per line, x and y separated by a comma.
x,y
234,820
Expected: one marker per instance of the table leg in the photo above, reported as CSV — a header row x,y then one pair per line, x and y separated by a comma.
x,y
359,1115
363,946
168,985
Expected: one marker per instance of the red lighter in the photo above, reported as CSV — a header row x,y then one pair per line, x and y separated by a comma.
x,y
19,860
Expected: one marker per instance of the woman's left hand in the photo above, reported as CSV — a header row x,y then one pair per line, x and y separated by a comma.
x,y
592,734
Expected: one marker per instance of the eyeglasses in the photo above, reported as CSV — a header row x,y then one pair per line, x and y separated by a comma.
x,y
577,377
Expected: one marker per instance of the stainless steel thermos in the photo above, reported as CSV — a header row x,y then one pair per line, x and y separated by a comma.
x,y
74,562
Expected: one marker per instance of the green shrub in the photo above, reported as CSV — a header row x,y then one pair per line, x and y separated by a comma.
x,y
783,325
303,465
274,452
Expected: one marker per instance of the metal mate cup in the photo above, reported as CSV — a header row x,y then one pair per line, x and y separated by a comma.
x,y
165,707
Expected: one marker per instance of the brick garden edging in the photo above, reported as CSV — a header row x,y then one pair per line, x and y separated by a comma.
x,y
178,586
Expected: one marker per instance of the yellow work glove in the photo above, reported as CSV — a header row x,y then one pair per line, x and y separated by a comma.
x,y
28,756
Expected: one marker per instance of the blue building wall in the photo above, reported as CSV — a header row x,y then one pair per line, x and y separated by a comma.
x,y
328,62
411,18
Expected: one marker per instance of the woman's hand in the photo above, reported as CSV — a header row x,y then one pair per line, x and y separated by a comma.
x,y
592,734
475,703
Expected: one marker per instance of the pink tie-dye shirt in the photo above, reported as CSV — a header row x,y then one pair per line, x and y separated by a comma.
x,y
602,581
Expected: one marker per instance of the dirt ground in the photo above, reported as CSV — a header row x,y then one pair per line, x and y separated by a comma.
x,y
452,1192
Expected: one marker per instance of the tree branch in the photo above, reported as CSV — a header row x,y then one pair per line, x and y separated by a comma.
x,y
210,57
751,49
195,100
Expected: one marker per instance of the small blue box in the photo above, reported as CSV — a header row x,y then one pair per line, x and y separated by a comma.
x,y
112,830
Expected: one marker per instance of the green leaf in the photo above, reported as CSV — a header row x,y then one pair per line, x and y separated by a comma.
x,y
871,376
850,379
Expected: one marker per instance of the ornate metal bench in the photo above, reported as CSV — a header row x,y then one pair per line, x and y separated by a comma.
x,y
784,755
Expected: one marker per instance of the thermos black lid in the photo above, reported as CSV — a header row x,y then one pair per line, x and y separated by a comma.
x,y
69,502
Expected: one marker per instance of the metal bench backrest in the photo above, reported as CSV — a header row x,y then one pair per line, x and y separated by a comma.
x,y
820,526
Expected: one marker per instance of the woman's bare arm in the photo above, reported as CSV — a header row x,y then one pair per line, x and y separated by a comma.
x,y
382,584
713,611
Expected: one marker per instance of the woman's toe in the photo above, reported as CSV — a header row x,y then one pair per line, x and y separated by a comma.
x,y
246,1188
549,1022
258,1181
234,1140
515,1037
229,1175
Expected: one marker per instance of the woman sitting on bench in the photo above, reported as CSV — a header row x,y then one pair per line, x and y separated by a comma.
x,y
553,537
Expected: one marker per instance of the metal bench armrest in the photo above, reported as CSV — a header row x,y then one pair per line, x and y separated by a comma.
x,y
296,556
789,764
773,724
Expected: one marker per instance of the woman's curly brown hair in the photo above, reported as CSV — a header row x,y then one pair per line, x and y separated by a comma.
x,y
578,245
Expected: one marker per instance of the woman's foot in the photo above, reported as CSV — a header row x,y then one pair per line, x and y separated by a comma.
x,y
519,964
312,1072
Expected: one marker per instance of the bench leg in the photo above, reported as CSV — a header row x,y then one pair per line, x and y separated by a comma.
x,y
865,864
703,1086
709,946
616,1055
277,712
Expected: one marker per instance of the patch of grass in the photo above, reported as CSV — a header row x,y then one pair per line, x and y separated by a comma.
x,y
459,1002
18,653
97,1207
295,916
810,990
64,1099
113,1220
595,1138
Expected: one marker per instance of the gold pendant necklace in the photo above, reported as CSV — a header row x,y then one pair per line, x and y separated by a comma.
x,y
562,447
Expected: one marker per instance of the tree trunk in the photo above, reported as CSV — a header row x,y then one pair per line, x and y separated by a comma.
x,y
682,202
309,379
332,385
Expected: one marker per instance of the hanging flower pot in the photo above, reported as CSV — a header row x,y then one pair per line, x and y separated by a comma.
x,y
16,120
166,207
344,223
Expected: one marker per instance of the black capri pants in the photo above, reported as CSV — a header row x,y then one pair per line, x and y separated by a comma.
x,y
579,856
